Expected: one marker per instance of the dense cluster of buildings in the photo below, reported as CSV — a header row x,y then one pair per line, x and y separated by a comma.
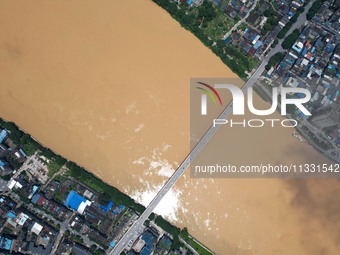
x,y
263,24
235,8
9,154
61,215
153,241
312,62
22,231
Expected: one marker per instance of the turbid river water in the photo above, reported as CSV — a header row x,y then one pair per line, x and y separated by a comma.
x,y
106,84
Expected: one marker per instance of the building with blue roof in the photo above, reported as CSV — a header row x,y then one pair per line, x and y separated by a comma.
x,y
76,202
150,241
108,207
8,244
5,243
227,40
35,198
11,215
35,188
3,135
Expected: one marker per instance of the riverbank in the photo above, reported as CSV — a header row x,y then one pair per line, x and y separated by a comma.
x,y
196,22
30,146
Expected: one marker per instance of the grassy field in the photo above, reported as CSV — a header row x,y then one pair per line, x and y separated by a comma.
x,y
218,27
198,247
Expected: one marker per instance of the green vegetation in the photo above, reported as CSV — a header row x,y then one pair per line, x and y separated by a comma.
x,y
30,146
5,177
22,198
314,9
207,12
269,12
151,216
93,248
190,240
67,233
286,28
108,192
290,39
219,26
291,109
29,149
53,167
273,45
208,24
271,22
274,60
172,230
76,238
15,133
7,230
176,232
14,162
99,243
176,243
237,60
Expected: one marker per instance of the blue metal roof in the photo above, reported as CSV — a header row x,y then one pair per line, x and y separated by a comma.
x,y
8,244
11,215
73,200
35,198
227,40
3,134
108,207
257,44
35,188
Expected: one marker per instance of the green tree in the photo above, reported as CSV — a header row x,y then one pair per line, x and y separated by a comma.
x,y
220,44
185,233
290,39
176,243
207,11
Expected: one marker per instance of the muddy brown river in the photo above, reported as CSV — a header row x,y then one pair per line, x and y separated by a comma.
x,y
106,84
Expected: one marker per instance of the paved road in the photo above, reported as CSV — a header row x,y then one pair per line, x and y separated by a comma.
x,y
200,145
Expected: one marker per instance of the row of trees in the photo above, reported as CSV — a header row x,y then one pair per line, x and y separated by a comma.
x,y
290,39
314,9
274,60
286,28
272,20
